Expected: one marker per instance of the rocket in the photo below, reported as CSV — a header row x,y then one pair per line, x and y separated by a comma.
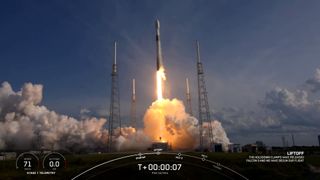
x,y
159,52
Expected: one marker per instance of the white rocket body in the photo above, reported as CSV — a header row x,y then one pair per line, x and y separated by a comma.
x,y
158,42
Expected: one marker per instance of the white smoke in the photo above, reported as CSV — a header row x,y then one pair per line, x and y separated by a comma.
x,y
132,140
24,124
218,133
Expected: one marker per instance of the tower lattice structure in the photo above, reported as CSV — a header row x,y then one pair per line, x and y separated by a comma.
x,y
114,116
203,105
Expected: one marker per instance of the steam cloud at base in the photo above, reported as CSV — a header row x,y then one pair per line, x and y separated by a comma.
x,y
166,120
132,139
25,124
218,133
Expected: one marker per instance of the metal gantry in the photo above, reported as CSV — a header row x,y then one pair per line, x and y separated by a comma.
x,y
114,116
203,105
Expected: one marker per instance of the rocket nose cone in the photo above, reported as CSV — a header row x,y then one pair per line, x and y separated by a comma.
x,y
157,24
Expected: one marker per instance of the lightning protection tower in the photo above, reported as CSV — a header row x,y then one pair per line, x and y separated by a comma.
x,y
114,117
203,105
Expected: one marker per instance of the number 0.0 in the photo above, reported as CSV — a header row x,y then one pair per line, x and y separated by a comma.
x,y
27,163
54,164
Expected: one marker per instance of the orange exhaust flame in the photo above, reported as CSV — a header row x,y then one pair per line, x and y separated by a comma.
x,y
166,121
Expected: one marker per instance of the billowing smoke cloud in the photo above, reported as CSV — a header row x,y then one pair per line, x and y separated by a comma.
x,y
24,124
166,120
132,140
218,133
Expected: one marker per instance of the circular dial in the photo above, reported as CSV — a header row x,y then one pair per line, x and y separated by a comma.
x,y
54,161
27,161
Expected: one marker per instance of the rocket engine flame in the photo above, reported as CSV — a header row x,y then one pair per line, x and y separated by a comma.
x,y
160,85
167,121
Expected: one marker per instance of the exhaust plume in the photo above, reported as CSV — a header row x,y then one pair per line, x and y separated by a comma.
x,y
24,124
167,119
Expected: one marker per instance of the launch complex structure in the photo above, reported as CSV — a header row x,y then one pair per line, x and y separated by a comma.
x,y
114,117
114,120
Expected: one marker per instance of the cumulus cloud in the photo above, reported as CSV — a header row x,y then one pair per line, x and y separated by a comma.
x,y
236,120
314,82
280,111
293,108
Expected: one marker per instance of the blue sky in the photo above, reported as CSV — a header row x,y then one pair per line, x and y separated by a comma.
x,y
248,48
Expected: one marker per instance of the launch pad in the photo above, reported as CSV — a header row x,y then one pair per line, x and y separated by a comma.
x,y
160,146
